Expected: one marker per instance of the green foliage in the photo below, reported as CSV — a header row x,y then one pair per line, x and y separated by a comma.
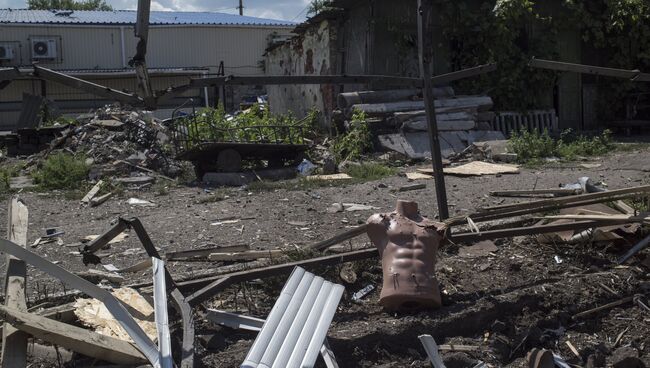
x,y
370,171
7,172
317,6
619,30
61,171
68,5
256,124
508,32
532,146
357,141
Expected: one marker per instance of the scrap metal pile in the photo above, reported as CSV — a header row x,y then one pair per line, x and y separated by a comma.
x,y
156,322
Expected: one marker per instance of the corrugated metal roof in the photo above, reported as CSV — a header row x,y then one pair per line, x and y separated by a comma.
x,y
128,17
294,331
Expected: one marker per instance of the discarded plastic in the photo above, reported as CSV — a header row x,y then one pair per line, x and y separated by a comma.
x,y
305,168
363,292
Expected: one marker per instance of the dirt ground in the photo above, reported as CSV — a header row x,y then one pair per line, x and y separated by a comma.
x,y
503,303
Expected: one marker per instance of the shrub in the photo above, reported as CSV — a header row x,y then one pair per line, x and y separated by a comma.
x,y
357,141
61,171
530,146
371,171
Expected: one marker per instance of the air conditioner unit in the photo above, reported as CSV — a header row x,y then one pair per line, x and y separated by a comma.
x,y
6,52
43,48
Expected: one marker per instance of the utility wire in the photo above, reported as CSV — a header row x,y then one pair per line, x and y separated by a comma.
x,y
302,11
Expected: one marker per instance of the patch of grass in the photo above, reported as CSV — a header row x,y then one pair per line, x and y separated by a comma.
x,y
161,187
370,171
7,172
533,147
61,171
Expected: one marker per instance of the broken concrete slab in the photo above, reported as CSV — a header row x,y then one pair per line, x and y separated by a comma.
x,y
416,145
21,182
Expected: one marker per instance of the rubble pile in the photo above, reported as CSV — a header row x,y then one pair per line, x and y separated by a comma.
x,y
115,142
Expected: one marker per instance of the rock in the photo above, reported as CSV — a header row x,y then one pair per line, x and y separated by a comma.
x,y
626,357
136,180
335,207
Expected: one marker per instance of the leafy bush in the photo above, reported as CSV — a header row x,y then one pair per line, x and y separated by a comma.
x,y
7,172
533,145
356,141
61,171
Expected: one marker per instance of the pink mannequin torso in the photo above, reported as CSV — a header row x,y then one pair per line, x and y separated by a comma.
x,y
407,244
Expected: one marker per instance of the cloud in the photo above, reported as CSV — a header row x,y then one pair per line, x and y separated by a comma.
x,y
279,9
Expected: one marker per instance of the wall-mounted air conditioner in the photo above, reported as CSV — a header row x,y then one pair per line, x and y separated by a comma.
x,y
6,51
43,48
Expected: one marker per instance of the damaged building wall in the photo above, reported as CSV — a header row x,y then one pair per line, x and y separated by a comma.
x,y
311,53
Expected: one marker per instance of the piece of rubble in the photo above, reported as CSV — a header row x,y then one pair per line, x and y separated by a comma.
x,y
101,199
140,202
92,192
93,313
351,207
409,187
479,168
418,176
136,180
335,207
96,276
341,176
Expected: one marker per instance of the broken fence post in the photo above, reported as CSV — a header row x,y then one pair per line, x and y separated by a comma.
x,y
14,342
160,312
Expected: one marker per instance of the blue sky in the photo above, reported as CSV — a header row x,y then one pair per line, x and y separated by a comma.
x,y
278,9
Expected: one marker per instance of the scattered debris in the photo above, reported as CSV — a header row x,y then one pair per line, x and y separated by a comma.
x,y
93,192
363,292
406,188
478,168
139,202
418,176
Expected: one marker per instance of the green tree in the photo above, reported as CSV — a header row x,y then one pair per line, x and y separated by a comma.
x,y
68,5
318,6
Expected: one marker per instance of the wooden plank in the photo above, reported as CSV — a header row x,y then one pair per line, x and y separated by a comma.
x,y
245,256
585,69
205,252
86,86
93,192
212,285
14,347
74,338
339,238
515,193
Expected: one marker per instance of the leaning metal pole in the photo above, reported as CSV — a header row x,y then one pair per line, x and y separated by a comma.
x,y
425,52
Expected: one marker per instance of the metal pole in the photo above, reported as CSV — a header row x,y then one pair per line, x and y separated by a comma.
x,y
241,7
425,51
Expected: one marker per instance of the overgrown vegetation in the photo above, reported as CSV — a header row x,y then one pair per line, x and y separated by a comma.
x,y
68,5
357,140
256,124
318,6
533,145
511,32
61,171
7,172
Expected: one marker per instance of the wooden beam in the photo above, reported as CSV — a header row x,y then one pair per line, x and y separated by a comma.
x,y
212,285
339,238
584,69
184,255
462,74
300,79
9,74
86,86
516,193
14,342
74,338
246,256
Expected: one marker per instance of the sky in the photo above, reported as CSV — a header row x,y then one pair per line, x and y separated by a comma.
x,y
274,9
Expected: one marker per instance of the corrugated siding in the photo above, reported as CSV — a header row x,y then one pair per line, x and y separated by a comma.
x,y
241,48
297,325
